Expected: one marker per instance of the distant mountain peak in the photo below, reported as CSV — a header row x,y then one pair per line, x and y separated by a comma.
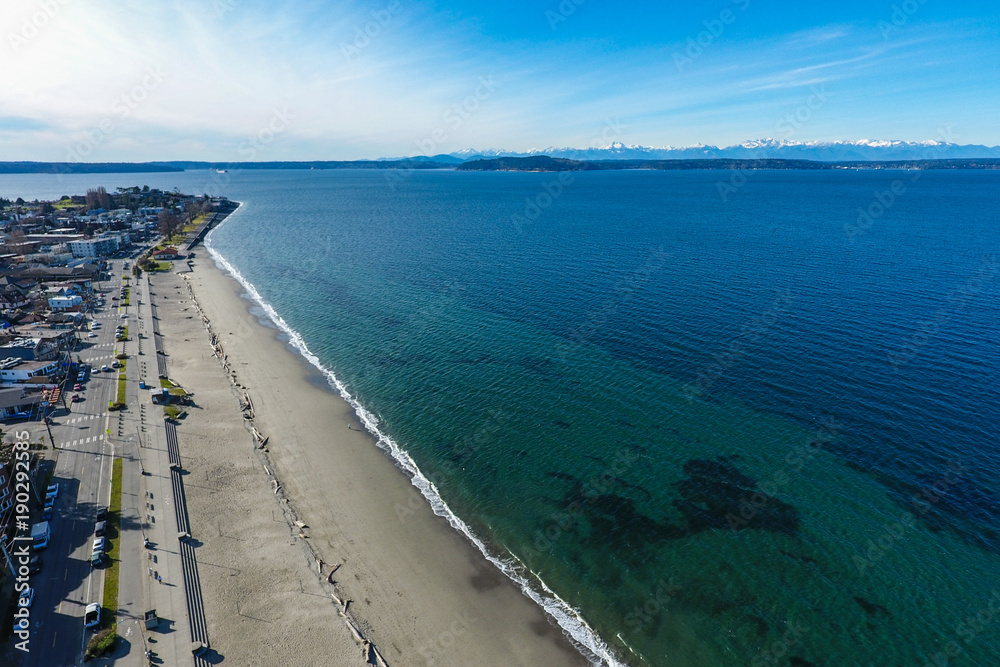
x,y
766,147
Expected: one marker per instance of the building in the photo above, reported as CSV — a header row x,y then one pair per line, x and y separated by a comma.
x,y
97,247
30,348
18,403
14,370
167,253
64,303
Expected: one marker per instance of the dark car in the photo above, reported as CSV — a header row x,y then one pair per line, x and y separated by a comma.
x,y
100,528
102,513
35,565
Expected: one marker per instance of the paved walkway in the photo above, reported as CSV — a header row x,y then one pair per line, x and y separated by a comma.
x,y
169,580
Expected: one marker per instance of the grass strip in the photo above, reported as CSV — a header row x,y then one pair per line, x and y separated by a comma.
x,y
121,386
110,619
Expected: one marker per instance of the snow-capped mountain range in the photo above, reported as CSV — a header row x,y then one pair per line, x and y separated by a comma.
x,y
826,151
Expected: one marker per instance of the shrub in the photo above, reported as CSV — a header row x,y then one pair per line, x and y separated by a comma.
x,y
101,644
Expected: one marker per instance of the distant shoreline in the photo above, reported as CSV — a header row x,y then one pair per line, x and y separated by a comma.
x,y
533,163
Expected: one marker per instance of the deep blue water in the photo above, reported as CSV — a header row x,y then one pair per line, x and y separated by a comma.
x,y
727,430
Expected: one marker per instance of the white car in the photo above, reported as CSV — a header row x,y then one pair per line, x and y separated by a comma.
x,y
27,597
99,545
53,490
92,616
91,335
105,368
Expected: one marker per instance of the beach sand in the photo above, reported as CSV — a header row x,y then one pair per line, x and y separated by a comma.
x,y
417,588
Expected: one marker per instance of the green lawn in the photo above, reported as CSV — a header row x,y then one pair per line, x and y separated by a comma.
x,y
110,605
121,385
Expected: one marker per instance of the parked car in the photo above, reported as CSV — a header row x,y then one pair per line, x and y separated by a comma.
x,y
50,502
99,544
100,528
47,513
91,335
53,490
102,513
78,387
35,564
96,559
27,597
116,364
75,398
105,368
92,616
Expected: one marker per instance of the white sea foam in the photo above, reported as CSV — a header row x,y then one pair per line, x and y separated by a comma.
x,y
568,618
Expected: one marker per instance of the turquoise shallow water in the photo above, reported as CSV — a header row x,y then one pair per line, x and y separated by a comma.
x,y
725,431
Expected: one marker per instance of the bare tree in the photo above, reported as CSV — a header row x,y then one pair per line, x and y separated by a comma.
x,y
98,198
169,223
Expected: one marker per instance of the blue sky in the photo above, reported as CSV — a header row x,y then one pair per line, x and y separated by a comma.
x,y
264,80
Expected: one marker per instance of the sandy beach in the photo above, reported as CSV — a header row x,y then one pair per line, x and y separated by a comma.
x,y
276,591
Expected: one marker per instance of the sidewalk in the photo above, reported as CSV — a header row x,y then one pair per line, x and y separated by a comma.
x,y
152,578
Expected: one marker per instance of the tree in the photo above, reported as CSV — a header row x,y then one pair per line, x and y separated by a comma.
x,y
169,223
17,239
98,198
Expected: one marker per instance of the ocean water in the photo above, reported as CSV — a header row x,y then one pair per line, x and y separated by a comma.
x,y
702,423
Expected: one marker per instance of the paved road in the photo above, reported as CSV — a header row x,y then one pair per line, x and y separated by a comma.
x,y
67,583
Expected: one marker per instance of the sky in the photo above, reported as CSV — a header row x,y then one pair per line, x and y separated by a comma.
x,y
235,80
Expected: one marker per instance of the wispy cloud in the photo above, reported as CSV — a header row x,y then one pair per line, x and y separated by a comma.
x,y
364,80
